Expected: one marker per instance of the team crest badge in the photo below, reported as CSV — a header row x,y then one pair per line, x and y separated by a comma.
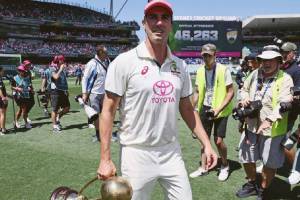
x,y
231,35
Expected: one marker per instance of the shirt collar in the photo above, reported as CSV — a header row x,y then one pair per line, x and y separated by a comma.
x,y
142,52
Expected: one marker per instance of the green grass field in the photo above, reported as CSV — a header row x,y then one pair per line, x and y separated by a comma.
x,y
34,162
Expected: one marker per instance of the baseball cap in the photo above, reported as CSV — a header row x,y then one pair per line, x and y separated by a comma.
x,y
21,68
26,62
289,46
251,56
270,52
158,3
209,49
58,58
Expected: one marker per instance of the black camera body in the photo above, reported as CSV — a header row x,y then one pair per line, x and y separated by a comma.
x,y
210,115
288,106
251,111
10,78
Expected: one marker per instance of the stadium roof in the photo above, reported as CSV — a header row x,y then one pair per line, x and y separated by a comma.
x,y
279,21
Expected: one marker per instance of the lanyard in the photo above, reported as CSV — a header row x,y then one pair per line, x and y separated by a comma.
x,y
266,88
213,75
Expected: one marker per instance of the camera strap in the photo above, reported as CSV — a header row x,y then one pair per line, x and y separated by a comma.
x,y
258,88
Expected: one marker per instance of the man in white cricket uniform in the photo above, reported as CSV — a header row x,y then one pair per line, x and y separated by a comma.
x,y
152,86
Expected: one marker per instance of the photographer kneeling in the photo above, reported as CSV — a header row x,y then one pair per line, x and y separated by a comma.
x,y
265,131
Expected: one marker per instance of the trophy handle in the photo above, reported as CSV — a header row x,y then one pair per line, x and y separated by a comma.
x,y
86,185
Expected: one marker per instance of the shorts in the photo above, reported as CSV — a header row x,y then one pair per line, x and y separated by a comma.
x,y
219,124
144,166
264,148
59,99
2,104
23,102
96,101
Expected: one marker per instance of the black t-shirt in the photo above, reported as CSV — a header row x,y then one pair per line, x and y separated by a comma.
x,y
2,87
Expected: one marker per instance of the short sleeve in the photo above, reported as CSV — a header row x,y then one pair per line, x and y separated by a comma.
x,y
116,77
228,78
187,84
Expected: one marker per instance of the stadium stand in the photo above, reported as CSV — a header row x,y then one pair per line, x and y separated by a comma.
x,y
261,30
40,29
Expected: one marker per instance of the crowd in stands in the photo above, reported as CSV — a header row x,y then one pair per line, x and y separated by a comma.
x,y
56,12
53,48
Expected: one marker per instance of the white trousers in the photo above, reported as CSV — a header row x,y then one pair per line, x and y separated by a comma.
x,y
143,166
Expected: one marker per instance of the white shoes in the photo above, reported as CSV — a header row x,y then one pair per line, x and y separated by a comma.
x,y
29,121
294,177
28,125
259,168
91,126
56,129
199,172
17,124
224,173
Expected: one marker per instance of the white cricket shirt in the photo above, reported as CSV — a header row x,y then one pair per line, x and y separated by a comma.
x,y
150,96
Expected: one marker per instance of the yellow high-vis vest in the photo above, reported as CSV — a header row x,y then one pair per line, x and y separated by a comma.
x,y
219,90
279,127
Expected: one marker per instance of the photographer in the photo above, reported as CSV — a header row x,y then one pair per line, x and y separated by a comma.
x,y
212,99
93,83
3,104
29,70
59,92
45,89
261,140
288,51
22,88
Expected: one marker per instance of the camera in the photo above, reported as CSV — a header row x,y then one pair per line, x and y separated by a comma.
x,y
285,106
210,115
277,41
10,78
251,111
288,106
291,140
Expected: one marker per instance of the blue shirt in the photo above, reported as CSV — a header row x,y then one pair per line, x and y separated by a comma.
x,y
25,84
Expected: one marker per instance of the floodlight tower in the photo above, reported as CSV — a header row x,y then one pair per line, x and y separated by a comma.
x,y
111,9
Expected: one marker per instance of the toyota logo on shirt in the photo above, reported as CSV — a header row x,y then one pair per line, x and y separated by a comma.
x,y
163,88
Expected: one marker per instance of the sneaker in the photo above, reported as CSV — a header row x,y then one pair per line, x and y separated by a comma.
x,y
17,124
1,133
59,124
29,121
247,190
259,168
224,173
199,172
91,126
95,139
261,194
294,177
28,125
114,136
56,129
46,113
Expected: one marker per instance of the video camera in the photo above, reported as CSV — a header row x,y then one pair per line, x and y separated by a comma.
x,y
90,112
251,111
288,106
10,78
